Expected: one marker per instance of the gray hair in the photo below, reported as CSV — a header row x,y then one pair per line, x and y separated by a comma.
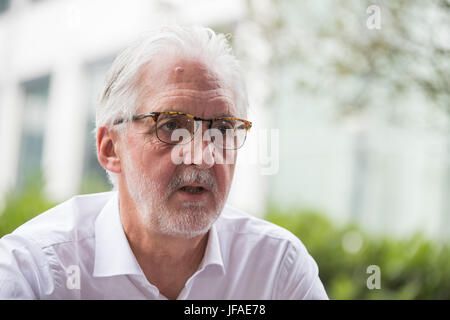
x,y
120,97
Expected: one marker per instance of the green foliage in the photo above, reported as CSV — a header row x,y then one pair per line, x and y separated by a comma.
x,y
21,206
414,268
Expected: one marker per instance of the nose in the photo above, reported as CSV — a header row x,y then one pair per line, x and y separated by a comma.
x,y
200,151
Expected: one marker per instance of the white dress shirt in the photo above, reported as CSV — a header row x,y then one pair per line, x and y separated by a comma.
x,y
78,250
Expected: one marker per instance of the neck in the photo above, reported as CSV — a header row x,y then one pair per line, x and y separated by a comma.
x,y
157,251
151,247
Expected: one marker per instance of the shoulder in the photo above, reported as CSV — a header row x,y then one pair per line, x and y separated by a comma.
x,y
72,220
260,248
271,251
28,263
241,233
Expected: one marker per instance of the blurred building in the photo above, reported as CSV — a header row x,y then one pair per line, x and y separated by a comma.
x,y
53,57
364,113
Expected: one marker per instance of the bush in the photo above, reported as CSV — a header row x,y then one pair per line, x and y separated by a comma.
x,y
415,268
21,206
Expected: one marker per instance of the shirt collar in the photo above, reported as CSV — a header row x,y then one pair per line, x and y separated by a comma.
x,y
213,253
113,255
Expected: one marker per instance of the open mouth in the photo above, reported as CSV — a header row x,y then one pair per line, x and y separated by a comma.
x,y
192,189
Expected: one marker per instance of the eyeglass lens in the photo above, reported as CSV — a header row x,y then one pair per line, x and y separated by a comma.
x,y
177,128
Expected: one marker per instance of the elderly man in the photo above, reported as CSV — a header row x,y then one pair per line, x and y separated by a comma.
x,y
169,123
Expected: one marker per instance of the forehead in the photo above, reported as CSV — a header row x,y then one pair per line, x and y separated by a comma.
x,y
184,85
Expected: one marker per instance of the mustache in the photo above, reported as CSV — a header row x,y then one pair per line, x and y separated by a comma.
x,y
192,175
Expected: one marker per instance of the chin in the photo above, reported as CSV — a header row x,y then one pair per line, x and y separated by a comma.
x,y
192,220
190,234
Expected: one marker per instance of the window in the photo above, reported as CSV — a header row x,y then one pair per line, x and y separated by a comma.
x,y
4,5
33,124
94,176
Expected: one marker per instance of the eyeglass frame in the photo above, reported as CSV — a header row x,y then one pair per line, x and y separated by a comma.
x,y
156,114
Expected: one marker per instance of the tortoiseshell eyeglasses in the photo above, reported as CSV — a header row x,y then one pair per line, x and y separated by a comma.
x,y
175,127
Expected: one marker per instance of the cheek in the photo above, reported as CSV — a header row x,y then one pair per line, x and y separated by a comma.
x,y
156,159
224,175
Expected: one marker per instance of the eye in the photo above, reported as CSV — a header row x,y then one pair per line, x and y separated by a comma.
x,y
169,125
224,125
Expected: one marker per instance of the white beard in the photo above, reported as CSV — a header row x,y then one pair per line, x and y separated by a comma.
x,y
150,198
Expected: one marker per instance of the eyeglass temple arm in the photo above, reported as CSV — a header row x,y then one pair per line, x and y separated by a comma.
x,y
144,115
136,117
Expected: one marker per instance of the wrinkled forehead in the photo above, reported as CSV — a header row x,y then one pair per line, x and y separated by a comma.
x,y
168,80
182,73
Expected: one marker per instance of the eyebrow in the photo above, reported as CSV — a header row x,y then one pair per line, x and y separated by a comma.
x,y
223,115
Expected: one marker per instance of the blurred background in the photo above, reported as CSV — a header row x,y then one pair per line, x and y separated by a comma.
x,y
350,101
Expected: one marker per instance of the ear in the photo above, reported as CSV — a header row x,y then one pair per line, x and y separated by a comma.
x,y
107,147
